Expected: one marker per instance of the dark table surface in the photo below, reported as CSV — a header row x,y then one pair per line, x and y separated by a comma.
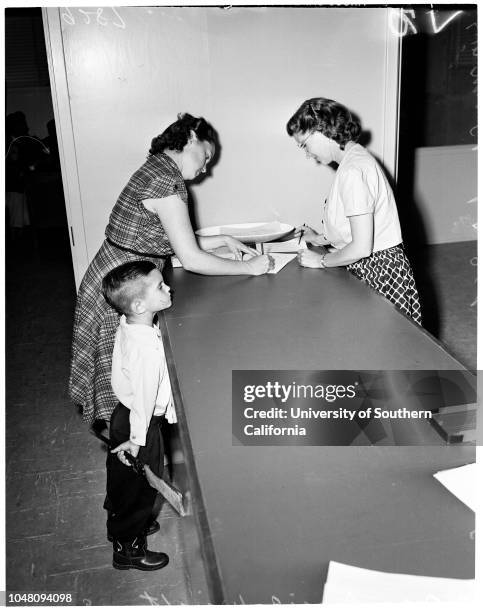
x,y
278,515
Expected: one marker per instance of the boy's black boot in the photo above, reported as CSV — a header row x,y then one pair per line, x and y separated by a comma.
x,y
153,527
134,555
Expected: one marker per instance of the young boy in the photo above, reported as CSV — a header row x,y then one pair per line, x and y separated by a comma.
x,y
140,381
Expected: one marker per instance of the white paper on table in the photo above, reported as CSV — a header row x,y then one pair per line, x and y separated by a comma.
x,y
462,482
285,246
280,259
351,584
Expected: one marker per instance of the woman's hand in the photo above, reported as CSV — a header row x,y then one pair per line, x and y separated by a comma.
x,y
128,446
309,235
237,247
309,259
260,265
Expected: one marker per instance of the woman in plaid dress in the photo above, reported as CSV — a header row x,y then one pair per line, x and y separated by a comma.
x,y
150,221
360,220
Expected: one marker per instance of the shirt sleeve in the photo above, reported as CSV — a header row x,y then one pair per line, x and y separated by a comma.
x,y
357,192
160,187
144,374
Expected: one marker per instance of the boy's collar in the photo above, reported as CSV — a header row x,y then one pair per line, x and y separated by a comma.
x,y
125,323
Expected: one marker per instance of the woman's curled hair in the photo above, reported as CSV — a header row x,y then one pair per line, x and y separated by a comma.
x,y
329,117
177,135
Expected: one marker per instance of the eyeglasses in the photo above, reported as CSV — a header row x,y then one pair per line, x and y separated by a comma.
x,y
303,145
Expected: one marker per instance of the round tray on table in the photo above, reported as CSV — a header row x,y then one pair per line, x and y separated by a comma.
x,y
249,232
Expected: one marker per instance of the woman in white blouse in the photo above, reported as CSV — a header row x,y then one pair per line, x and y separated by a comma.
x,y
360,220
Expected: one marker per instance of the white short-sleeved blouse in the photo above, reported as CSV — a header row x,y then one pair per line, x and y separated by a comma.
x,y
361,187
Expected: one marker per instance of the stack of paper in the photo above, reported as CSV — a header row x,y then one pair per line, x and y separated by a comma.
x,y
349,584
285,246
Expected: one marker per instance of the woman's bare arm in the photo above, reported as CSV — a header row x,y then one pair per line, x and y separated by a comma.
x,y
173,214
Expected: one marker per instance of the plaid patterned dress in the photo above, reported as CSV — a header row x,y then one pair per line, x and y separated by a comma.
x,y
133,233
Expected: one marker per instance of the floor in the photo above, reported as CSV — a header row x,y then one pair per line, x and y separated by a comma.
x,y
55,469
446,278
55,474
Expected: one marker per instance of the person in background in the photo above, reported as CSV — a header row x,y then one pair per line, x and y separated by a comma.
x,y
140,381
51,162
23,155
17,160
150,220
360,222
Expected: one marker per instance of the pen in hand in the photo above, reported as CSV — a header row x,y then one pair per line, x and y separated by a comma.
x,y
301,233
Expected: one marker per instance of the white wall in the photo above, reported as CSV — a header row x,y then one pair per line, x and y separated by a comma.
x,y
246,70
445,192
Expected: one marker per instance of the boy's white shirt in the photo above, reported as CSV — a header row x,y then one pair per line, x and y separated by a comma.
x,y
140,378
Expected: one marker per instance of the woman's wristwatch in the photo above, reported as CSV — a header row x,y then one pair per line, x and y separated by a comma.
x,y
322,261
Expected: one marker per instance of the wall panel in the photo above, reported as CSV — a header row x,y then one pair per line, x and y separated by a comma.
x,y
445,180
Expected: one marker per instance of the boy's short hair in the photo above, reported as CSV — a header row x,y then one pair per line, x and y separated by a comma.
x,y
123,284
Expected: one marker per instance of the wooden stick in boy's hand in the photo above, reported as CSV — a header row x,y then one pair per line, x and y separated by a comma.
x,y
168,491
126,452
132,461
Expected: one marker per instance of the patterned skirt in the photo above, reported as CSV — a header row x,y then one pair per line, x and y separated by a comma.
x,y
389,272
95,325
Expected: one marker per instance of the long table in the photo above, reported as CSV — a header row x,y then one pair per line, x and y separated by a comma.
x,y
271,518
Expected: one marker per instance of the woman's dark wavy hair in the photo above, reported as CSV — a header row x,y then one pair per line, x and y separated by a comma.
x,y
328,117
176,136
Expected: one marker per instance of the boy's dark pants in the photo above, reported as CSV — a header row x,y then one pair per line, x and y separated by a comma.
x,y
130,499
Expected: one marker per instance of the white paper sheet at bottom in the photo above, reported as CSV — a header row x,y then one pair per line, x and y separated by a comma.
x,y
462,482
350,584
